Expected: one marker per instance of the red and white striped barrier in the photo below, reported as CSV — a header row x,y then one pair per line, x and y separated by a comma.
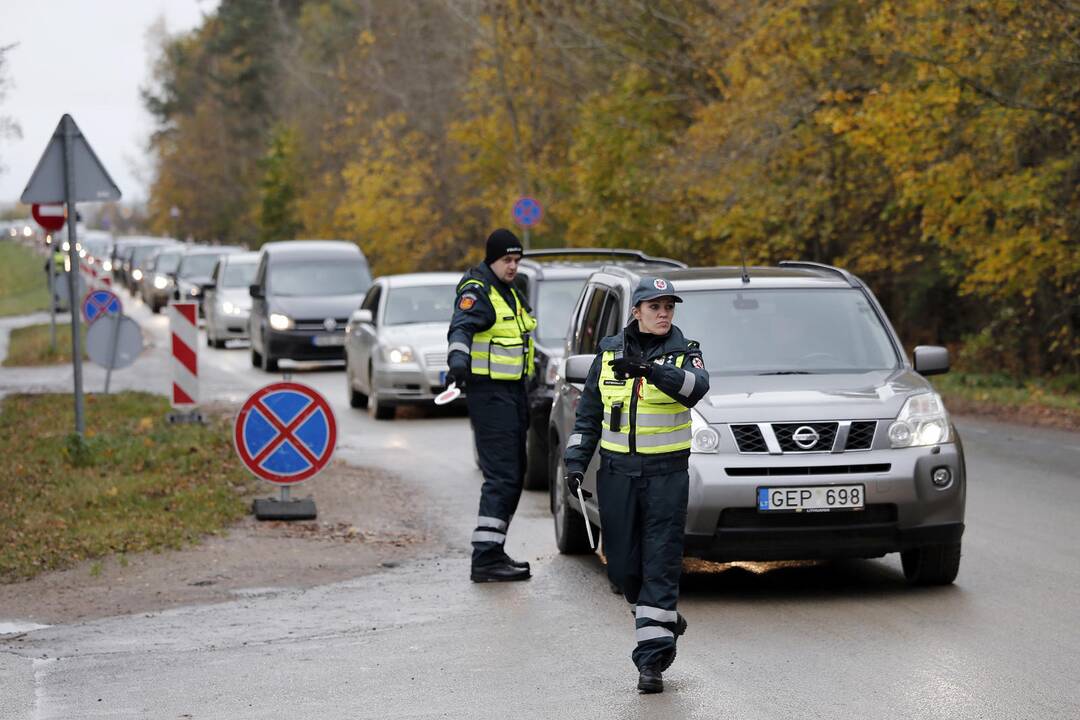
x,y
184,324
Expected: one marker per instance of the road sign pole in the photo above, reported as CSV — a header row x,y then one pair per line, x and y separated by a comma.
x,y
51,268
526,237
73,254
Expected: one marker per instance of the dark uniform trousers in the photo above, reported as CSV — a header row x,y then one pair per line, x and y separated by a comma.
x,y
499,413
643,512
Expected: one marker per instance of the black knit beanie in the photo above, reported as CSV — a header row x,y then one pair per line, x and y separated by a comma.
x,y
501,242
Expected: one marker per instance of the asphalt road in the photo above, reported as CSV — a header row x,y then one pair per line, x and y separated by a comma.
x,y
817,641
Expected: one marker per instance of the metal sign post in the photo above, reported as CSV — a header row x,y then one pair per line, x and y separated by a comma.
x,y
51,269
69,172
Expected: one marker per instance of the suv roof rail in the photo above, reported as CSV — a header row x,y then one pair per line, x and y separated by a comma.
x,y
848,277
609,252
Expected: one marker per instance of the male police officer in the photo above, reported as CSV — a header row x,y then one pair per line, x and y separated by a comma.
x,y
491,355
636,404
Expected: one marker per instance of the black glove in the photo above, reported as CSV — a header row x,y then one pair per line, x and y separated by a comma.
x,y
574,478
457,377
631,367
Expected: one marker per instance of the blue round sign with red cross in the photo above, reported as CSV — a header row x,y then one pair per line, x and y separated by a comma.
x,y
527,212
98,303
285,433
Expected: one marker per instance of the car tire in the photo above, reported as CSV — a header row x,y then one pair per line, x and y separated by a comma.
x,y
931,564
570,533
380,410
256,358
536,468
357,399
155,308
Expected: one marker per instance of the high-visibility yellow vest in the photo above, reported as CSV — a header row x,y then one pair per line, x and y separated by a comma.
x,y
660,424
505,350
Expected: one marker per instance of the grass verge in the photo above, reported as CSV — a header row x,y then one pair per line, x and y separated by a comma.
x,y
23,287
1045,402
30,346
133,484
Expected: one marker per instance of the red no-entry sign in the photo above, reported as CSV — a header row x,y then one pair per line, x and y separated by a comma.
x,y
49,217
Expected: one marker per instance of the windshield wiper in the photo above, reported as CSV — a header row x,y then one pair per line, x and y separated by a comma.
x,y
787,372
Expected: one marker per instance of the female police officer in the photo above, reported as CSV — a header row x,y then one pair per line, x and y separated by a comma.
x,y
636,403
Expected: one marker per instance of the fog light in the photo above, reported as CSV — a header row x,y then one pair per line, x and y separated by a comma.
x,y
941,476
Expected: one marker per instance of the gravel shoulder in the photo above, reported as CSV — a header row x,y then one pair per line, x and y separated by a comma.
x,y
368,520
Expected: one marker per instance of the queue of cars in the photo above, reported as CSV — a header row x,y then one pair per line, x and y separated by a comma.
x,y
820,437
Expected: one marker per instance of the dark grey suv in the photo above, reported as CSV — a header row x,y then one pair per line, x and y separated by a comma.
x,y
819,438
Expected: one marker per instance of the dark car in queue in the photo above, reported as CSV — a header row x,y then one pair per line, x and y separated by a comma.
x,y
193,274
551,280
159,277
227,300
139,259
302,296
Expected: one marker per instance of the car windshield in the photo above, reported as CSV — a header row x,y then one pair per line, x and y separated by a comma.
x,y
320,277
555,300
419,304
797,331
167,262
142,253
200,265
239,274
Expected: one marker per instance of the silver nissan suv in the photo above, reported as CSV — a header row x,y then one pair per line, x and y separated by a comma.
x,y
819,438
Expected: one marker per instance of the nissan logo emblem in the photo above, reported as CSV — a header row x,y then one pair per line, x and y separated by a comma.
x,y
805,437
330,324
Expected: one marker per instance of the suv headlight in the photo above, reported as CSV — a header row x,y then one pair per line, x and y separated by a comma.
x,y
397,354
922,421
161,282
704,439
136,274
280,322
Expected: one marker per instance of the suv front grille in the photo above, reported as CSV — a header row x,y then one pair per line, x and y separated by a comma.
x,y
748,439
435,359
317,324
786,433
750,518
861,435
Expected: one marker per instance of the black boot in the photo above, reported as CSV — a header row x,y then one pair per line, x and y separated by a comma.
x,y
502,572
650,680
524,565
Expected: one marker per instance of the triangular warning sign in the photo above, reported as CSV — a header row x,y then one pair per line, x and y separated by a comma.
x,y
90,180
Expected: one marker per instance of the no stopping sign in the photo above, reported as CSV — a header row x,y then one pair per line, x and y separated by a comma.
x,y
285,433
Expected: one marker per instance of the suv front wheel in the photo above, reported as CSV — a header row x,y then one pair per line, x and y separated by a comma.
x,y
931,564
570,534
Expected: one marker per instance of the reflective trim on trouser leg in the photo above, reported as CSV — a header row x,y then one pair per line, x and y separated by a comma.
x,y
653,632
494,523
655,613
481,536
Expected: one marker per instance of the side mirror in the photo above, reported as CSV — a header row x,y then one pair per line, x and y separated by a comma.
x,y
255,291
577,368
360,315
931,360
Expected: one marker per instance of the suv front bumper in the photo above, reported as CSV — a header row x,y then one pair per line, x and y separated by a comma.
x,y
904,509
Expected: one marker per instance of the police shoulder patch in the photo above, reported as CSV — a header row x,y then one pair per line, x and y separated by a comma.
x,y
697,362
466,301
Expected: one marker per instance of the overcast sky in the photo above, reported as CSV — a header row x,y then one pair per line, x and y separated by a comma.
x,y
87,58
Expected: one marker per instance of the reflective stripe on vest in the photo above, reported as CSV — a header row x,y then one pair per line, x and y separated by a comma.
x,y
661,424
505,350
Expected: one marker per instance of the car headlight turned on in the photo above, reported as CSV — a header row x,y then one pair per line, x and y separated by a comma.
x,y
228,308
161,282
106,266
280,322
922,421
136,274
397,354
704,439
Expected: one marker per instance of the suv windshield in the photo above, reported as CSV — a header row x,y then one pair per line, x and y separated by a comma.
x,y
142,253
239,274
419,304
200,265
761,332
320,277
167,262
555,300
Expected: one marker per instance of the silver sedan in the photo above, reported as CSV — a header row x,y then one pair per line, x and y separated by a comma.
x,y
227,302
395,343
